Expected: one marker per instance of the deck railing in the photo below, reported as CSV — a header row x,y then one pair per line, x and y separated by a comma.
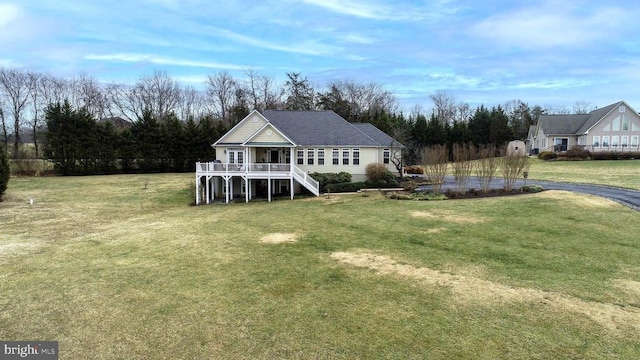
x,y
226,168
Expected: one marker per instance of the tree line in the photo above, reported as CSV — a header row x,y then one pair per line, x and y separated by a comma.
x,y
28,100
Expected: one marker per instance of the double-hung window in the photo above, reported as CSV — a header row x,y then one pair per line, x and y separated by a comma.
x,y
345,156
320,156
310,156
386,155
336,156
356,156
300,156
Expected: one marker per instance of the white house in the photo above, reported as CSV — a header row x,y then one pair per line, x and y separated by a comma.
x,y
273,153
615,127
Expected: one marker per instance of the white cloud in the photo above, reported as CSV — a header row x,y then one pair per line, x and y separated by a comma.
x,y
131,57
309,47
434,10
8,13
549,25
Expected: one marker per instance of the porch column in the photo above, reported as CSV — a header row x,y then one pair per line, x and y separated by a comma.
x,y
197,190
291,187
226,186
207,190
246,189
269,188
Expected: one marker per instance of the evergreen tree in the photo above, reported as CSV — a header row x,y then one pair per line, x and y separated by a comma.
x,y
4,171
70,139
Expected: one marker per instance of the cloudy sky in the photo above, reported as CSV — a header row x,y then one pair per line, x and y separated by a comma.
x,y
554,52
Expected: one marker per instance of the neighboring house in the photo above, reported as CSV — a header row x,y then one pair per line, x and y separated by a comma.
x,y
273,153
615,127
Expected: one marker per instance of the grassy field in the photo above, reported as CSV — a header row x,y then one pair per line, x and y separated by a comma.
x,y
116,271
621,173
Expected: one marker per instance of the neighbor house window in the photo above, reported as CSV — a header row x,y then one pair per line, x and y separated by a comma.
x,y
615,125
614,141
634,141
345,156
621,109
596,141
625,123
386,155
300,157
356,156
605,141
624,141
635,127
336,156
310,156
320,156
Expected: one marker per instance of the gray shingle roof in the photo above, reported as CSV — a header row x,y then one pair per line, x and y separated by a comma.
x,y
320,128
377,135
574,123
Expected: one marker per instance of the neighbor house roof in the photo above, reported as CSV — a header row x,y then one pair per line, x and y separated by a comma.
x,y
325,128
574,123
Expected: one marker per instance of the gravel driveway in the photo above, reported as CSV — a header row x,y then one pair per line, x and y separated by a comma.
x,y
630,198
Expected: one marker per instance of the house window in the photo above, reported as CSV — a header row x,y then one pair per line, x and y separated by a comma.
x,y
615,125
581,141
386,155
621,109
300,157
310,156
320,156
614,141
634,141
625,123
624,141
356,156
635,127
287,156
605,141
596,141
345,156
336,156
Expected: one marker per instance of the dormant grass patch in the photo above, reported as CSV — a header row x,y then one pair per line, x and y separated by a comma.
x,y
279,238
450,216
583,200
468,289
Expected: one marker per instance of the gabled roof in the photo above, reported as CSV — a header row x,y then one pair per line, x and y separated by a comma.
x,y
324,128
573,124
377,135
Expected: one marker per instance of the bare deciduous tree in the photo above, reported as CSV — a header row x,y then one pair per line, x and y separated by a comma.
x,y
512,166
435,159
462,165
221,90
16,88
444,107
486,166
157,93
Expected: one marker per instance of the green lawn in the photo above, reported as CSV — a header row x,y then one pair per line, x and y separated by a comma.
x,y
621,173
116,271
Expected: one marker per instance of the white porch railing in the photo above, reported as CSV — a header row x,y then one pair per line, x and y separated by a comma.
x,y
213,168
220,169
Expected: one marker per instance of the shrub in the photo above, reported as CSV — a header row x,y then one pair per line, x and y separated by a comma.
x,y
531,188
331,178
614,155
578,153
547,155
4,172
381,184
344,187
398,196
409,185
378,172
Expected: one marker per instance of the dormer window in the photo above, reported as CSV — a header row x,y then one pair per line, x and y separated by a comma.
x,y
622,109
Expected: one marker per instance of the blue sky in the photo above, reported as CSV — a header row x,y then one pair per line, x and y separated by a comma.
x,y
542,52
